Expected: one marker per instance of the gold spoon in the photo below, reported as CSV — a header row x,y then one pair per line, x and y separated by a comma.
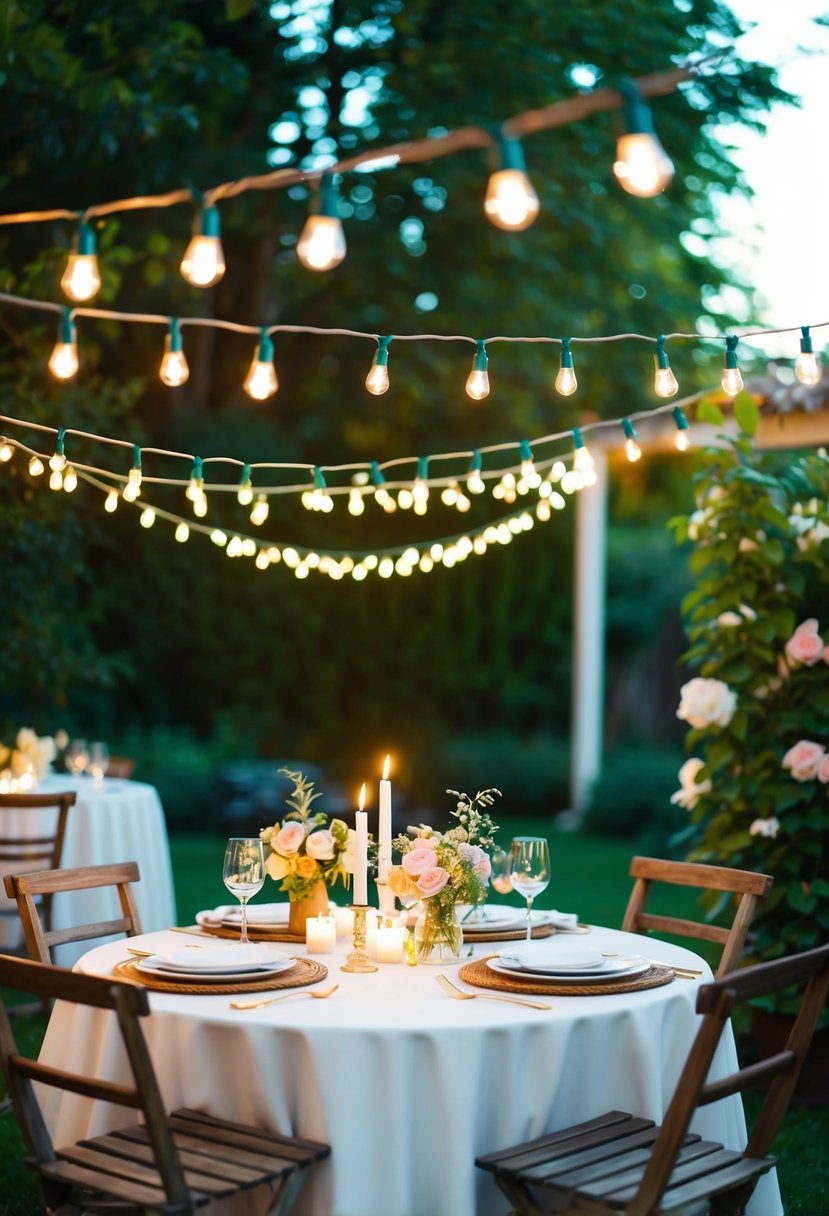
x,y
319,993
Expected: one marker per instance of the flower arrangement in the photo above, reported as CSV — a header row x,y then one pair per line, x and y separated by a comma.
x,y
304,850
444,869
757,783
26,761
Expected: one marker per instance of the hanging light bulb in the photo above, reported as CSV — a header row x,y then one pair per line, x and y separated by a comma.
x,y
664,381
632,449
63,361
449,494
477,383
474,480
807,366
182,532
732,381
56,480
195,486
530,476
147,517
6,451
57,461
133,487
583,464
381,494
36,466
377,380
260,510
420,488
244,495
70,479
261,382
173,370
642,165
510,203
681,438
566,382
321,245
81,279
356,506
203,263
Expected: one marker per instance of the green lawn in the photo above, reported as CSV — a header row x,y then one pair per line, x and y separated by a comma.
x,y
589,878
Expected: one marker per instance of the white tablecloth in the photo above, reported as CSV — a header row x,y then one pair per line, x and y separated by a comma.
x,y
407,1085
112,821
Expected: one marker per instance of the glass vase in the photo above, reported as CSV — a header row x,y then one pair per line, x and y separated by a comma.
x,y
437,934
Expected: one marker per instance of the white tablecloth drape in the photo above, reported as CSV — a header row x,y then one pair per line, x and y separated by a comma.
x,y
406,1084
111,821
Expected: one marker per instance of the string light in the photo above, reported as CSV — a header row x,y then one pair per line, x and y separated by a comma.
x,y
632,448
377,380
261,382
664,381
63,361
477,384
420,489
6,451
133,487
642,165
260,511
807,367
511,202
182,532
321,245
732,381
81,279
195,487
356,506
111,502
474,481
57,461
681,438
147,517
381,494
583,470
566,382
244,495
530,477
70,479
203,263
174,370
36,466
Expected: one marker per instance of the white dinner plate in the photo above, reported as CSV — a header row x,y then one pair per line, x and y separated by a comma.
x,y
152,966
266,916
487,917
216,961
556,957
614,968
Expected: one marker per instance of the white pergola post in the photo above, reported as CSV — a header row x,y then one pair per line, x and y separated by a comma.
x,y
589,561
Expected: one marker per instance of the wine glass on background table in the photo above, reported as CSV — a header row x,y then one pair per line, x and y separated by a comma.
x,y
499,879
529,861
77,756
243,872
98,761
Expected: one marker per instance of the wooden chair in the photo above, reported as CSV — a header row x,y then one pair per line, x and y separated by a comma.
x,y
29,887
121,766
619,1163
165,1163
747,886
44,845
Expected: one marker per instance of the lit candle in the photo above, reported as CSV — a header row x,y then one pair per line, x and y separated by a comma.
x,y
390,940
344,921
361,861
384,827
320,934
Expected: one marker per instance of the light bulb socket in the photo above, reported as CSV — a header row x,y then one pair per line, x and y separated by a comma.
x,y
381,355
207,222
244,477
731,350
680,419
566,353
319,480
629,429
60,440
476,463
174,336
525,450
136,457
423,468
479,363
66,329
661,357
328,201
197,472
84,243
578,438
638,117
377,478
805,341
508,153
264,351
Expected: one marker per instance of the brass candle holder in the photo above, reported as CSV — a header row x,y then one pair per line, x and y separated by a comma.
x,y
358,960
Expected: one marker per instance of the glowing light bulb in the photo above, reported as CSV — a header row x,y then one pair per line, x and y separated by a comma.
x,y
203,263
632,449
377,380
682,441
665,382
182,532
477,383
356,506
732,381
510,203
57,462
681,437
81,279
583,464
56,480
260,510
200,507
111,502
321,245
566,382
262,560
70,479
420,490
449,494
131,491
642,165
807,366
173,370
63,361
36,466
244,495
474,480
147,517
261,382
6,451
195,487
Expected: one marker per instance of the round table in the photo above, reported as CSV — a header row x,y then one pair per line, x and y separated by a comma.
x,y
112,820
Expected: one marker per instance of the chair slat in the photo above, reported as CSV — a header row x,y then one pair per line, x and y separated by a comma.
x,y
601,1150
697,1161
221,1151
499,1159
93,1156
293,1143
737,1173
76,1175
120,1146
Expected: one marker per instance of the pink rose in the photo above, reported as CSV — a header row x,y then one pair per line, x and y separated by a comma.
x,y
289,838
416,861
432,880
804,759
479,859
805,645
823,770
320,845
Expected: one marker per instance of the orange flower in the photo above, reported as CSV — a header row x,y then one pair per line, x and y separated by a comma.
x,y
306,867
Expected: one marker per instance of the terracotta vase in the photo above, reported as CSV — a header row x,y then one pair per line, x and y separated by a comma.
x,y
315,904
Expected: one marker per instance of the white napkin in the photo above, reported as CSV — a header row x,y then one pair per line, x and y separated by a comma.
x,y
562,920
555,957
258,914
235,957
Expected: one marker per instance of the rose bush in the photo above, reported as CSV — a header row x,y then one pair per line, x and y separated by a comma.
x,y
756,786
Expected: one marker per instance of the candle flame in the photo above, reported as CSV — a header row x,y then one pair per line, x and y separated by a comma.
x,y
362,796
386,768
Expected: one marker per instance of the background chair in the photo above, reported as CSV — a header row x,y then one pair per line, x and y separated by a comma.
x,y
745,885
27,888
619,1163
121,766
47,814
166,1163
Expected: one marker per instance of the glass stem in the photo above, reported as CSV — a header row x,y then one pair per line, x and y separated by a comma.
x,y
529,917
243,900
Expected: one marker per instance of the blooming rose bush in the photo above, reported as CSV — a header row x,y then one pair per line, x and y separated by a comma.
x,y
757,784
304,849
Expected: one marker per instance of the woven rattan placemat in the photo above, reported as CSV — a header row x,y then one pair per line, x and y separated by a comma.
x,y
481,976
505,935
306,971
256,933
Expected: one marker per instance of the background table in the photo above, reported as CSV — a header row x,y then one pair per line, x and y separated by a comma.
x,y
115,820
407,1085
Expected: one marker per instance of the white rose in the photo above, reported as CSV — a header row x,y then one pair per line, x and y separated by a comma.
x,y
320,845
688,796
706,703
765,827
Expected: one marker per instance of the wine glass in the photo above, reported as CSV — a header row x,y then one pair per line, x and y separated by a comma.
x,y
77,756
98,761
243,872
499,878
529,861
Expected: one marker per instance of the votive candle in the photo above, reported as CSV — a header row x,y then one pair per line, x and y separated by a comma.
x,y
320,934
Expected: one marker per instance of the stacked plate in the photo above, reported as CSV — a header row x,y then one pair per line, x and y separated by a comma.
x,y
557,965
260,916
219,965
492,918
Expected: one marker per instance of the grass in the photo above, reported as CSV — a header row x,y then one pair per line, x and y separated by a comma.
x,y
590,878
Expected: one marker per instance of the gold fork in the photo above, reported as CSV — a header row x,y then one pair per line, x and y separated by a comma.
x,y
451,990
319,993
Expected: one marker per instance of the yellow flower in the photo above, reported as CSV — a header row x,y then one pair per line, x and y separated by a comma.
x,y
277,866
306,867
399,881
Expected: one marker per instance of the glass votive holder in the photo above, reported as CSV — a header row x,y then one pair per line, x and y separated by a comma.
x,y
320,934
390,943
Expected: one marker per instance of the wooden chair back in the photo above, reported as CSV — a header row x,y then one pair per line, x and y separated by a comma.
x,y
121,766
746,887
48,814
29,887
